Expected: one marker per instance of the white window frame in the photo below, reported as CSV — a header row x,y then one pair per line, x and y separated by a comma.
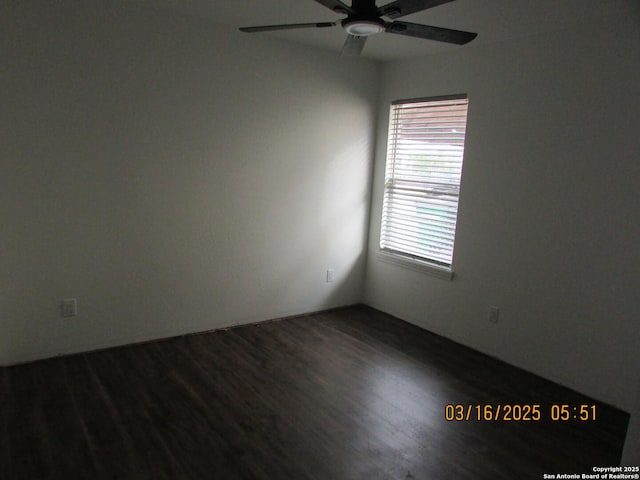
x,y
421,196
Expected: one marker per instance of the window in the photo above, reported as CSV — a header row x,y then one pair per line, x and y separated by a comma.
x,y
422,179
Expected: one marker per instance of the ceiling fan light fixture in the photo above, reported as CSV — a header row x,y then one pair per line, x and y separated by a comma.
x,y
363,28
364,18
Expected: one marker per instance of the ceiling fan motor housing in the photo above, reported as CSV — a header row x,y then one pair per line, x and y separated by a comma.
x,y
363,25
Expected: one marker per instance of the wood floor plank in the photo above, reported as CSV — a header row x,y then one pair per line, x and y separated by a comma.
x,y
241,431
345,394
479,379
27,455
106,434
6,413
60,430
129,394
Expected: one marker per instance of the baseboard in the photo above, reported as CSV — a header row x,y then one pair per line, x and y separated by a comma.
x,y
123,343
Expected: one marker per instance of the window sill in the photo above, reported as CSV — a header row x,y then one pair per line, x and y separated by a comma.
x,y
432,269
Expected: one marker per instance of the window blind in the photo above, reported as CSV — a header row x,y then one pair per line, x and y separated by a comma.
x,y
422,178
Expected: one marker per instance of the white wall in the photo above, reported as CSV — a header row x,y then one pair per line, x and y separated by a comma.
x,y
548,225
172,176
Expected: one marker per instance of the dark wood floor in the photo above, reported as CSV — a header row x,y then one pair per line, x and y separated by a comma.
x,y
346,394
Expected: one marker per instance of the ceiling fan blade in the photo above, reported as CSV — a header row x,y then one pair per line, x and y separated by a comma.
x,y
337,6
400,8
290,26
428,32
364,6
353,46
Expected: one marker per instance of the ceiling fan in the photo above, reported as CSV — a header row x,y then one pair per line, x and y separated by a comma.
x,y
364,19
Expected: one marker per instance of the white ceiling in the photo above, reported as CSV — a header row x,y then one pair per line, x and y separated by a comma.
x,y
493,20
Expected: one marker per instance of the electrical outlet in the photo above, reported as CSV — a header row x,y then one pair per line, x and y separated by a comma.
x,y
69,307
329,276
494,314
